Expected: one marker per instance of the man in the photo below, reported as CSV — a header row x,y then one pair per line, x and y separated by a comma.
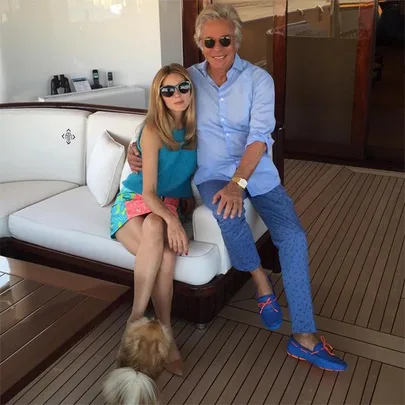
x,y
235,119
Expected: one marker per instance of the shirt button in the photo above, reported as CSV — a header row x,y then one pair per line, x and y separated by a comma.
x,y
222,119
227,134
222,99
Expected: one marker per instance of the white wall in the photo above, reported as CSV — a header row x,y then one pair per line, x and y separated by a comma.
x,y
40,38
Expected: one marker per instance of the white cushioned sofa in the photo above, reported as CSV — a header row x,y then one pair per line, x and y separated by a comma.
x,y
60,169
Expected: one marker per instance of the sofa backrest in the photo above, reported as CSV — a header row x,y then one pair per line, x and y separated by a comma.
x,y
122,127
42,144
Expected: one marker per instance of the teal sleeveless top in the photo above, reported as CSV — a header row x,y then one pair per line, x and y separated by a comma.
x,y
175,169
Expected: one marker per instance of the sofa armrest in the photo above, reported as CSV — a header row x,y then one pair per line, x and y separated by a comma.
x,y
206,229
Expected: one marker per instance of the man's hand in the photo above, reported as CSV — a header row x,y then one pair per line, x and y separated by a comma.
x,y
231,198
187,205
134,158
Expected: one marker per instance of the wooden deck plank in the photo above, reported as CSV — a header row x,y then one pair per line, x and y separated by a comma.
x,y
303,173
196,353
332,243
240,374
389,389
355,235
395,294
216,366
27,306
371,383
332,286
222,379
49,388
367,232
398,328
249,385
199,370
31,392
308,182
270,374
359,381
310,386
374,284
326,386
18,336
32,354
343,381
282,381
16,293
354,309
326,186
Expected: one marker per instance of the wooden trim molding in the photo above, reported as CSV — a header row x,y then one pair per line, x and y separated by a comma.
x,y
363,72
191,9
75,106
280,57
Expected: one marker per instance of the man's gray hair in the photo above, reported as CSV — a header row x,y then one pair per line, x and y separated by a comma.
x,y
218,12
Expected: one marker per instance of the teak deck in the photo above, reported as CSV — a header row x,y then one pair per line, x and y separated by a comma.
x,y
355,224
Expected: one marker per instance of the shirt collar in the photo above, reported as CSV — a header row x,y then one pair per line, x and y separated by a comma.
x,y
237,65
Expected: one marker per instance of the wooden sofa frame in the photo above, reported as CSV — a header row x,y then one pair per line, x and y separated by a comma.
x,y
198,304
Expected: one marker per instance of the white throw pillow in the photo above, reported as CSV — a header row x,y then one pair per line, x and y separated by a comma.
x,y
105,167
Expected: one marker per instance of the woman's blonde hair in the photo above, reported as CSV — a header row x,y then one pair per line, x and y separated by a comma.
x,y
159,117
218,12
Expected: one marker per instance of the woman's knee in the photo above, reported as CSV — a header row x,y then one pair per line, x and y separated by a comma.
x,y
153,228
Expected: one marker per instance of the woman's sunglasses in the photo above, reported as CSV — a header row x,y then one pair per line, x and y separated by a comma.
x,y
169,90
225,41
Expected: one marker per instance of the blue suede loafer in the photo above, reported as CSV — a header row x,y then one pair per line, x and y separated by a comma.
x,y
270,311
322,356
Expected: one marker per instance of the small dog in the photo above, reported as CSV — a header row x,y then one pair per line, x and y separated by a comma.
x,y
141,359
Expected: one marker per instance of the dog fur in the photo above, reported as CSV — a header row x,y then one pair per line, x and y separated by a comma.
x,y
141,359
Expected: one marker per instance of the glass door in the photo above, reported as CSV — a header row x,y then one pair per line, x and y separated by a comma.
x,y
328,78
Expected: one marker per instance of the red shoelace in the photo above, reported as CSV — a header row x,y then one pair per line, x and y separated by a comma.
x,y
263,305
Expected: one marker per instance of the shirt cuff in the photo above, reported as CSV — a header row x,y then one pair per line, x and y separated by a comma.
x,y
266,139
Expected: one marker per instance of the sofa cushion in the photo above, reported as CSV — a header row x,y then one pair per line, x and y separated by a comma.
x,y
17,195
73,222
42,144
105,167
123,128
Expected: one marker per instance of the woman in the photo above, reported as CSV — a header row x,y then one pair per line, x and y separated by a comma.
x,y
144,217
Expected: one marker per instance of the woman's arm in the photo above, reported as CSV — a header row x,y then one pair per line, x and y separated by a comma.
x,y
150,145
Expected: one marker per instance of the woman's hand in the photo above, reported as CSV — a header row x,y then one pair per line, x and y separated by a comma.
x,y
176,236
187,205
231,199
134,158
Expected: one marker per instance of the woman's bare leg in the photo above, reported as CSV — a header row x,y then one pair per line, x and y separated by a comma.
x,y
148,248
162,296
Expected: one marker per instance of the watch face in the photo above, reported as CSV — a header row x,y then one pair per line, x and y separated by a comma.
x,y
243,182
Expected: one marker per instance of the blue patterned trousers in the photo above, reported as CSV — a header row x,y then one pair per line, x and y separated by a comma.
x,y
278,213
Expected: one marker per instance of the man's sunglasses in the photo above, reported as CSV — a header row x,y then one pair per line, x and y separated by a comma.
x,y
225,41
169,90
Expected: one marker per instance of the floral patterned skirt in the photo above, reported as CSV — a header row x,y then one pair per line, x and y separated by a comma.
x,y
128,205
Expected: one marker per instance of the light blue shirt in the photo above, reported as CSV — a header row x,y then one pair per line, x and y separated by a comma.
x,y
231,117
